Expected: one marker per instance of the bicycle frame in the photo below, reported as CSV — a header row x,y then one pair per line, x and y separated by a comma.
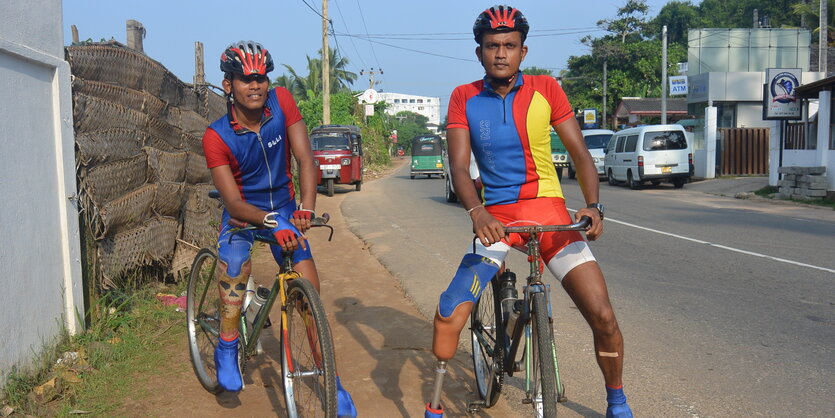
x,y
533,285
286,273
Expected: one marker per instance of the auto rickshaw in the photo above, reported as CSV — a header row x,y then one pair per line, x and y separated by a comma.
x,y
427,156
337,152
559,155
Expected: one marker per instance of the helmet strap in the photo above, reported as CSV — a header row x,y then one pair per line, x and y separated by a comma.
x,y
495,82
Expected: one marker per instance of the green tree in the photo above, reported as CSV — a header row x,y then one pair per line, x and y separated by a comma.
x,y
299,85
739,13
678,16
537,71
631,19
810,12
408,126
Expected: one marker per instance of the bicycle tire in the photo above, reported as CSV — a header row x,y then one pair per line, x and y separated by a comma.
x,y
203,318
545,353
486,321
309,382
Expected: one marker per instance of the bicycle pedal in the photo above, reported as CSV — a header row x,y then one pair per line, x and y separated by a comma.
x,y
527,401
474,406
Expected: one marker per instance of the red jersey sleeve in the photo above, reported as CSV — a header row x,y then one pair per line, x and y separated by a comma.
x,y
560,107
216,151
288,106
457,112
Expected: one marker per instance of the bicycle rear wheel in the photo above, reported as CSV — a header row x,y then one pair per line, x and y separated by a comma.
x,y
545,391
488,339
307,359
203,317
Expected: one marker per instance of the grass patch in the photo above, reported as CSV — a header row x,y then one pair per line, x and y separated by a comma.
x,y
107,363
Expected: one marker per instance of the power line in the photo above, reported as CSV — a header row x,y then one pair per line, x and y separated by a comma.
x,y
419,51
311,8
362,15
346,31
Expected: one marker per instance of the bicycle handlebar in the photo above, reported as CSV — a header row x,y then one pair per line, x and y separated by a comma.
x,y
319,221
583,225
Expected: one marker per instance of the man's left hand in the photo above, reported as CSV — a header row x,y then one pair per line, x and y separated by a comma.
x,y
301,219
596,229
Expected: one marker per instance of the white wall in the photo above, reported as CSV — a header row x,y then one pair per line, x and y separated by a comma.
x,y
430,106
40,256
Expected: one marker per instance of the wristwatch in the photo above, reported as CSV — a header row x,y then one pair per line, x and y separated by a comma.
x,y
597,206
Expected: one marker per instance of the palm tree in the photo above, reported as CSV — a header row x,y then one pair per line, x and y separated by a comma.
x,y
340,78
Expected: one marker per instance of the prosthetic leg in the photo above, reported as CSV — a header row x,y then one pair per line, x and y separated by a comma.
x,y
473,274
434,408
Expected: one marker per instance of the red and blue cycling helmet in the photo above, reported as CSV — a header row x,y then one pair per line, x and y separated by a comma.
x,y
500,18
245,58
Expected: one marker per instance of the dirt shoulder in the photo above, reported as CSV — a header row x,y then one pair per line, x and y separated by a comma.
x,y
383,344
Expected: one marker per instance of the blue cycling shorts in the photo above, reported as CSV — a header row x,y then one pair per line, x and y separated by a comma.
x,y
237,251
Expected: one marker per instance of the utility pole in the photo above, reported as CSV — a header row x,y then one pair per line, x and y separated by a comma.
x,y
824,38
199,70
326,76
664,75
371,76
605,64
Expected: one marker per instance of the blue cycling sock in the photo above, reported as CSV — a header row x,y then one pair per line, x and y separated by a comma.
x,y
617,408
226,363
344,404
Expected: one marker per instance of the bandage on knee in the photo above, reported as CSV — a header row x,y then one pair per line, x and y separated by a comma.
x,y
605,354
473,274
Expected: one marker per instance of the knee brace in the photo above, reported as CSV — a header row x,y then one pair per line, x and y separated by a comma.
x,y
473,274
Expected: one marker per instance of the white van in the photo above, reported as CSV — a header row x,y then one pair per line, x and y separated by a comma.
x,y
596,141
653,153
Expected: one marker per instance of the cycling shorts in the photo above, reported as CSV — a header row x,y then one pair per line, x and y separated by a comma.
x,y
237,251
561,251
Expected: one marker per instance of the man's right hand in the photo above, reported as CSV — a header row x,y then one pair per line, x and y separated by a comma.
x,y
487,228
288,240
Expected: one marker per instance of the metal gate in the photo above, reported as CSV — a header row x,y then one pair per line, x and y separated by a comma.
x,y
744,151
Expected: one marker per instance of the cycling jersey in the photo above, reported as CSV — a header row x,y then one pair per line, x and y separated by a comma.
x,y
510,136
260,162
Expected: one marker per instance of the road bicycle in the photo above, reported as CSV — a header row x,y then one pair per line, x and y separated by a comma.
x,y
308,365
501,325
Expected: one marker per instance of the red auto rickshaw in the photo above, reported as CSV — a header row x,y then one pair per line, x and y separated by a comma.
x,y
337,152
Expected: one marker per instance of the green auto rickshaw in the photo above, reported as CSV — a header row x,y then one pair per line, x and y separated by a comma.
x,y
427,156
559,155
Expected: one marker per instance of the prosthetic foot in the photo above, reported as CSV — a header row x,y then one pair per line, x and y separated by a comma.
x,y
434,408
227,365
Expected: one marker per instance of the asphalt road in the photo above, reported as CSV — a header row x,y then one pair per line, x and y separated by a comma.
x,y
726,305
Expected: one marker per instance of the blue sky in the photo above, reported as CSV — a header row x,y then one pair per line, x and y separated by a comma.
x,y
290,30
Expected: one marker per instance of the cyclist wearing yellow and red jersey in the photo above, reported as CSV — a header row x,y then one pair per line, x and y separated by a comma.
x,y
505,120
248,152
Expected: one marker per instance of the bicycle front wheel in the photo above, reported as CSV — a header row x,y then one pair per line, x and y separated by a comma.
x,y
488,339
203,316
545,392
307,359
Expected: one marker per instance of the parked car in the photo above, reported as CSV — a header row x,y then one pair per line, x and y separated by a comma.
x,y
653,153
449,188
337,153
596,141
559,155
427,156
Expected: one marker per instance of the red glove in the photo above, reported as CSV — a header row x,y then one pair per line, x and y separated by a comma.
x,y
304,214
284,236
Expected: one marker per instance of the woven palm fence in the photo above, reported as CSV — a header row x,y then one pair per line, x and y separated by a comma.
x,y
142,176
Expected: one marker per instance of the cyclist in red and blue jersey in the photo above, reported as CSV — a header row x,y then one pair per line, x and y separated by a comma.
x,y
248,152
505,121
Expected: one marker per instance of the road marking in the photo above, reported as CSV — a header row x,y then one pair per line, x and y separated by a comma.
x,y
724,247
